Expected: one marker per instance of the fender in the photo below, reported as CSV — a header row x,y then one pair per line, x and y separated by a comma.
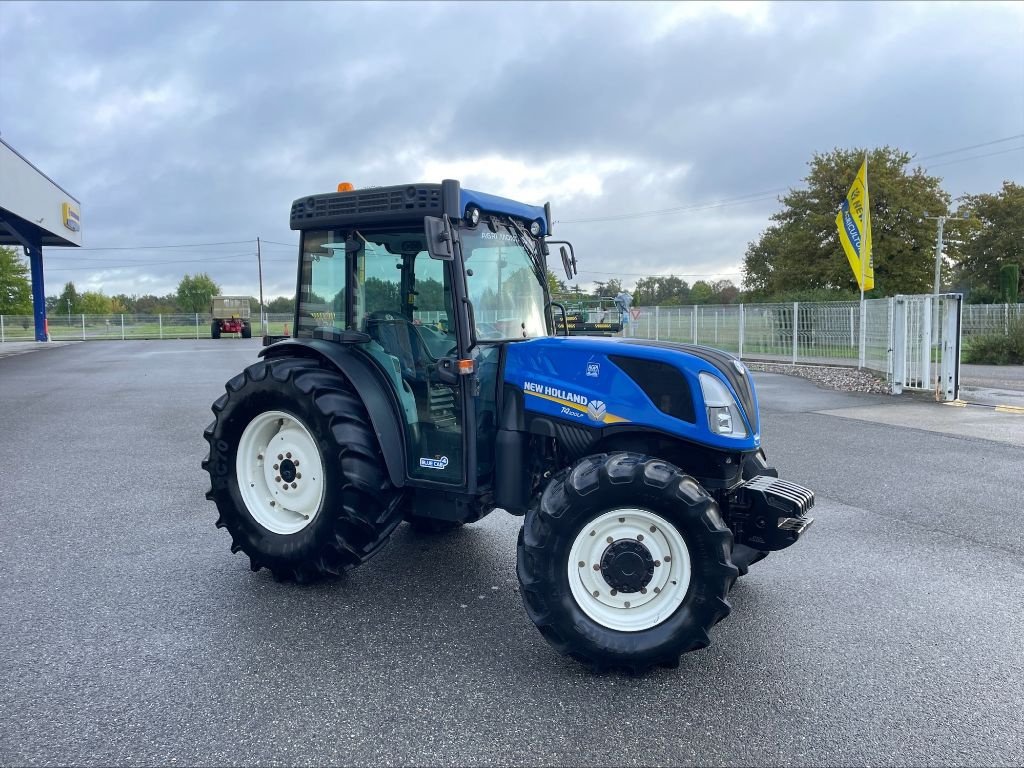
x,y
370,386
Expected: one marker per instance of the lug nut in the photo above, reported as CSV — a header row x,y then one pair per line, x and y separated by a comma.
x,y
653,529
596,593
288,455
593,533
668,558
643,590
610,540
582,564
657,563
614,592
277,479
657,590
277,466
597,566
296,462
639,537
626,604
280,457
293,485
298,475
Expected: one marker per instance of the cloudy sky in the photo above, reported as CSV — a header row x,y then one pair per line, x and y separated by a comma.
x,y
194,123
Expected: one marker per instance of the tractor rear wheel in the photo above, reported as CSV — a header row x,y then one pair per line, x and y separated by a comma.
x,y
215,329
296,471
624,563
246,331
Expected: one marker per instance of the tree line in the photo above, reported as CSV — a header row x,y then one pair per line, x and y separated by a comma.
x,y
193,294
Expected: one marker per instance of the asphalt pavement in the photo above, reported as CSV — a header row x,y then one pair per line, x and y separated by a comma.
x,y
892,634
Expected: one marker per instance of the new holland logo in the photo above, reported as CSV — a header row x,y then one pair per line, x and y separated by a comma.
x,y
596,410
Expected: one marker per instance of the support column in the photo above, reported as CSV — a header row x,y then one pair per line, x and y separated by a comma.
x,y
32,242
35,260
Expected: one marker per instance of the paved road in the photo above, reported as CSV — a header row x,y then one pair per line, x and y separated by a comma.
x,y
130,635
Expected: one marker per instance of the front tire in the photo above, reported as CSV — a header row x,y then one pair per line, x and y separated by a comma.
x,y
625,563
296,471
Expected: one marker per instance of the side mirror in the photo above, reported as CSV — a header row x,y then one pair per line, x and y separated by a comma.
x,y
568,260
439,237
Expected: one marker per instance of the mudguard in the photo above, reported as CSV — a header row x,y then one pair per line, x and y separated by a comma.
x,y
371,386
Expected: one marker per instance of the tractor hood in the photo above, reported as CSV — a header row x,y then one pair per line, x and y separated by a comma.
x,y
598,381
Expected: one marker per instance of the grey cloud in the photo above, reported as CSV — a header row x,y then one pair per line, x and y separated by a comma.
x,y
186,122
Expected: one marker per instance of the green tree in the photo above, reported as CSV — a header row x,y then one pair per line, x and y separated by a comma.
x,y
68,301
195,293
611,288
801,249
280,305
94,303
555,286
15,284
990,239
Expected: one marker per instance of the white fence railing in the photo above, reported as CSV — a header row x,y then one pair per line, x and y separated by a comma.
x,y
124,327
989,319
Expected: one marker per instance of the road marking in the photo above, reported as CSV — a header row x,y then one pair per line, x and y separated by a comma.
x,y
1019,409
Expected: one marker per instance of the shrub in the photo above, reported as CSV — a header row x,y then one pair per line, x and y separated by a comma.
x,y
998,349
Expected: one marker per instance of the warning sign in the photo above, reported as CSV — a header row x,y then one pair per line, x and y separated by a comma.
x,y
635,314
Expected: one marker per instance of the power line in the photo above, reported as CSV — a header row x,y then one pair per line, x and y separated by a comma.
x,y
153,247
756,196
964,149
975,157
748,198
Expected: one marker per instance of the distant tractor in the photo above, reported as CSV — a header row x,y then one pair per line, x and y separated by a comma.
x,y
425,383
230,315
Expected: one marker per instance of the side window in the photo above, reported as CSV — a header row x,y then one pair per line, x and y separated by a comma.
x,y
379,275
322,298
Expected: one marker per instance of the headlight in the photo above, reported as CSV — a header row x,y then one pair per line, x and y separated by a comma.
x,y
723,413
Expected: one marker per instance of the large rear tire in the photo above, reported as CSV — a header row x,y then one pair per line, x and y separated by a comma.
x,y
215,329
296,471
624,563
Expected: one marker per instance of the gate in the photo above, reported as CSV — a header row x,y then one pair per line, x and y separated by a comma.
x,y
926,345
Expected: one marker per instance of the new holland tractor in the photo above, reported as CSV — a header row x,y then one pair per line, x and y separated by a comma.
x,y
424,383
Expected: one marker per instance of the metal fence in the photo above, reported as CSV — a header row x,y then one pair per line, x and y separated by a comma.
x,y
989,319
916,327
124,327
797,332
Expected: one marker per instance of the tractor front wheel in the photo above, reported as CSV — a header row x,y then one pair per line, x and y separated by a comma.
x,y
624,563
296,471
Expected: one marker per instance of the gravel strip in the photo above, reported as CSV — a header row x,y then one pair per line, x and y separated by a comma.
x,y
845,379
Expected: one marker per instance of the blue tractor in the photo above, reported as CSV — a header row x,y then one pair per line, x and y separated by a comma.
x,y
424,384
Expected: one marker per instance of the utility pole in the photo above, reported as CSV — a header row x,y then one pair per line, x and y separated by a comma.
x,y
259,263
941,221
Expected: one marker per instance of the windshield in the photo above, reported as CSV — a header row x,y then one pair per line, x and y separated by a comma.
x,y
504,283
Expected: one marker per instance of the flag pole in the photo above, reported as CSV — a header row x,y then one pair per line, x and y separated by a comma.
x,y
861,356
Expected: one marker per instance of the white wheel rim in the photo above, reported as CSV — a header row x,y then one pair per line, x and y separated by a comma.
x,y
280,473
660,596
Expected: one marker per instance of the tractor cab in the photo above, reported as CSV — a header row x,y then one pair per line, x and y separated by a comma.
x,y
427,282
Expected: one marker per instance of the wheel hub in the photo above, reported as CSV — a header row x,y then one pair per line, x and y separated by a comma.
x,y
627,566
288,470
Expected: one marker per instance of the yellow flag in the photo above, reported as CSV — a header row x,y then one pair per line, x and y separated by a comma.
x,y
854,223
